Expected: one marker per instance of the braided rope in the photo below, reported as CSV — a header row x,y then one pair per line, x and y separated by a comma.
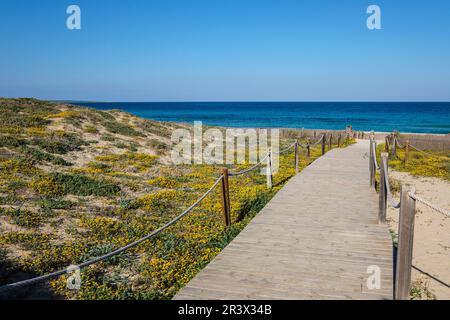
x,y
234,174
139,241
113,253
318,141
398,143
390,198
374,154
285,149
303,146
424,152
429,204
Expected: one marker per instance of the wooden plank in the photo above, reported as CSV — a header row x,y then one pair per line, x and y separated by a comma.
x,y
314,240
405,245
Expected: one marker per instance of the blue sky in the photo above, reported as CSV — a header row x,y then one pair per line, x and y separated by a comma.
x,y
206,50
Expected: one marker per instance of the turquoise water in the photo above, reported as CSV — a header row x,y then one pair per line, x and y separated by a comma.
x,y
417,117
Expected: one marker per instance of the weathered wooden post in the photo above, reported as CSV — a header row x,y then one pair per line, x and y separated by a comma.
x,y
405,245
308,150
314,133
394,146
339,141
269,171
371,165
323,144
406,152
382,204
330,142
226,198
386,144
296,156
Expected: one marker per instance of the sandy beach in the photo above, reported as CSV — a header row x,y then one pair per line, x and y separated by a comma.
x,y
431,235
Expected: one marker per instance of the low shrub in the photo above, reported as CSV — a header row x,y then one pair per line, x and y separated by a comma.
x,y
120,128
158,145
39,156
11,142
91,129
56,203
25,218
59,144
62,184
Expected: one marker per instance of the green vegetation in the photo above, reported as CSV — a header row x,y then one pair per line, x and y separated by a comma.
x,y
160,146
41,156
11,142
68,200
120,128
24,218
420,291
59,143
59,184
433,164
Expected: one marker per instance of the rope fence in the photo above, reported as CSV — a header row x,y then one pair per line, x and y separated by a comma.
x,y
115,252
223,179
392,144
407,212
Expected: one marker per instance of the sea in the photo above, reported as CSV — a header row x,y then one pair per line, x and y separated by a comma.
x,y
411,117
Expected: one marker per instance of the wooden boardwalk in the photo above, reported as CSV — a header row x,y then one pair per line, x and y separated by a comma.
x,y
314,240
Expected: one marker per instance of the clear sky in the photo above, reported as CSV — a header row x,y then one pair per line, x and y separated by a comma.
x,y
206,50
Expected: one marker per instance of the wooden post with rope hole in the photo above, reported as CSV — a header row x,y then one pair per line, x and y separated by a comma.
x,y
296,156
386,144
339,141
382,201
226,198
371,165
323,144
406,152
394,146
269,171
330,142
405,245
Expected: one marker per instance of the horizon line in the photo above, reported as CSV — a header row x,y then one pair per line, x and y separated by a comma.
x,y
252,101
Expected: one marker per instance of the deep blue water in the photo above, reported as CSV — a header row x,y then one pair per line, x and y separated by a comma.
x,y
418,117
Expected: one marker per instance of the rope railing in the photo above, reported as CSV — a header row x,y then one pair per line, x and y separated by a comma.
x,y
373,148
407,146
285,149
424,152
390,199
394,204
234,174
398,143
407,212
223,178
429,204
115,252
318,141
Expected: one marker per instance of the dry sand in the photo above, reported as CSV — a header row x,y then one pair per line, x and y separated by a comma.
x,y
431,234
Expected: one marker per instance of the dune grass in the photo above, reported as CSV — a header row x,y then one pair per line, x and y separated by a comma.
x,y
57,210
437,164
